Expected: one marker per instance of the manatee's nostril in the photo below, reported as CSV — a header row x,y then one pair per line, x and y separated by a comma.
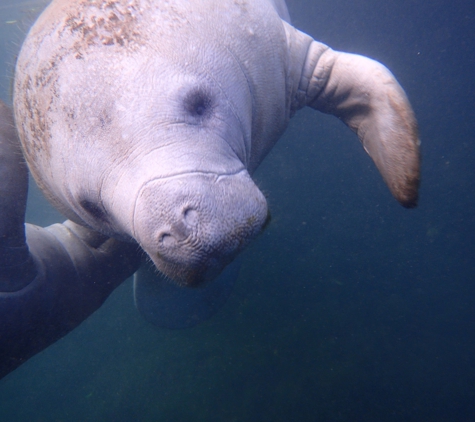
x,y
166,240
190,216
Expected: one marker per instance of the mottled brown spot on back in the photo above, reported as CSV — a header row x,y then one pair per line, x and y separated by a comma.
x,y
109,23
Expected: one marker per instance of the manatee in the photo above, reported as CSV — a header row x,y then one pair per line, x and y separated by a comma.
x,y
53,278
144,121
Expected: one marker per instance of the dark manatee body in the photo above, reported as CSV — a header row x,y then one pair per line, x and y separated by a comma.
x,y
53,278
144,120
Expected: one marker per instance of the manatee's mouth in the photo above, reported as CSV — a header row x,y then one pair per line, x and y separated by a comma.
x,y
203,269
199,227
204,262
191,276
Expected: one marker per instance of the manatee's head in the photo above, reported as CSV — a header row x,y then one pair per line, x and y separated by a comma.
x,y
142,134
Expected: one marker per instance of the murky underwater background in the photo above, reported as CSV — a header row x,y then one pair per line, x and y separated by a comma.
x,y
348,307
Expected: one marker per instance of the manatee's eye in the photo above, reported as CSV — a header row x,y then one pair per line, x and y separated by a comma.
x,y
93,209
198,104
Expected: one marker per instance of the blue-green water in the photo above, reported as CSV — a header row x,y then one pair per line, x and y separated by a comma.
x,y
348,307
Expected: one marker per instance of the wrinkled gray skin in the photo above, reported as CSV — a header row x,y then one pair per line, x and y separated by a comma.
x,y
144,120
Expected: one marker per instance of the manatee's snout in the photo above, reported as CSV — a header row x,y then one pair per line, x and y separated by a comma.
x,y
193,225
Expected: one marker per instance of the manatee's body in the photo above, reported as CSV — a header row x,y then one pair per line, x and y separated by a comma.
x,y
55,280
145,119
